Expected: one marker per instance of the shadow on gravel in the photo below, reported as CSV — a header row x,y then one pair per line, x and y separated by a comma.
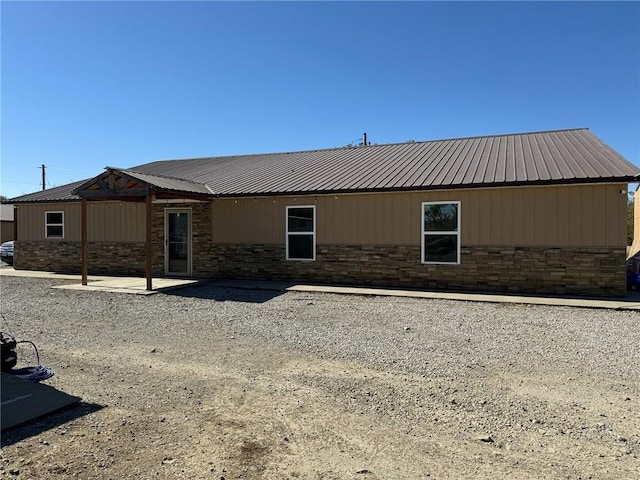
x,y
44,424
226,294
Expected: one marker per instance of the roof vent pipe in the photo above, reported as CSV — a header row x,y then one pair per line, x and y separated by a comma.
x,y
364,139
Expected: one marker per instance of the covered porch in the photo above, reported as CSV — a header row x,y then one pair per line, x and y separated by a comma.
x,y
125,186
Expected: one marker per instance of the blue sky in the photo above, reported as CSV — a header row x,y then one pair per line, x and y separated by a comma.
x,y
92,84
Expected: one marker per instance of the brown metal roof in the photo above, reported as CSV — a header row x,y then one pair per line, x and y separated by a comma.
x,y
563,156
55,194
552,157
168,183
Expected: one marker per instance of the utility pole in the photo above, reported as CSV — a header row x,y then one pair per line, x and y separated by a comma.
x,y
43,177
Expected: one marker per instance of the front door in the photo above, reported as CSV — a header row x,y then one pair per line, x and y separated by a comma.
x,y
177,241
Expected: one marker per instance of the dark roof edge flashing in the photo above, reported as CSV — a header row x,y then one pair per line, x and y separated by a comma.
x,y
65,200
351,191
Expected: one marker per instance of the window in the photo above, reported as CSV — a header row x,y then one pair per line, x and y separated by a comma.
x,y
441,232
301,233
54,224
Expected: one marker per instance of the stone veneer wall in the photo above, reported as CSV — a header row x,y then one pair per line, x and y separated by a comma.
x,y
124,258
575,271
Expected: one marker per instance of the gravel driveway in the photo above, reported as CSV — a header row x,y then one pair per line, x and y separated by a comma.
x,y
223,383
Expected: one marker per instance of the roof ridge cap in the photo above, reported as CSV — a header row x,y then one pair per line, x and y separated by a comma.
x,y
495,135
365,146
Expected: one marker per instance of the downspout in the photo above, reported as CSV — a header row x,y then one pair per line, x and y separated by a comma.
x,y
15,222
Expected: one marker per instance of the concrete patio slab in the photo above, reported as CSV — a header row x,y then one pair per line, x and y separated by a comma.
x,y
133,285
104,283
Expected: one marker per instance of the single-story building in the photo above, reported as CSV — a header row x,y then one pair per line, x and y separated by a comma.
x,y
6,222
541,212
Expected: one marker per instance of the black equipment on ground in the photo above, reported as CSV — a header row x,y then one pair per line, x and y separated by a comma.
x,y
8,352
10,359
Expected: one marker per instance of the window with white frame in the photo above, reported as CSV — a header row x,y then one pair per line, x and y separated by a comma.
x,y
54,224
301,233
441,232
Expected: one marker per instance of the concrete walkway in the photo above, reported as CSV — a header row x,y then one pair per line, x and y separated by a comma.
x,y
631,302
137,285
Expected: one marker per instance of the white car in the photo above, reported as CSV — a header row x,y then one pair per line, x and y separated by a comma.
x,y
6,252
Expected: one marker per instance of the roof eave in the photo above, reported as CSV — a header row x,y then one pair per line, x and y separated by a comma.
x,y
466,186
45,200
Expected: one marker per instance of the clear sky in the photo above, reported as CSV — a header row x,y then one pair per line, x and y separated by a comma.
x,y
92,84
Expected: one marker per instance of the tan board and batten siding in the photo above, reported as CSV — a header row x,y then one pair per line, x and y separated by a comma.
x,y
107,221
575,216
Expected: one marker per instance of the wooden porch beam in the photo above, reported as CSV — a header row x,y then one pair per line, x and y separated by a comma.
x,y
148,249
113,194
100,182
85,246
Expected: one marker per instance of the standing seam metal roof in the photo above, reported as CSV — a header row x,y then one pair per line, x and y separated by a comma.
x,y
549,157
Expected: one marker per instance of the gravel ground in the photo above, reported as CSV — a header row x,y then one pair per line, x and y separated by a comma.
x,y
326,386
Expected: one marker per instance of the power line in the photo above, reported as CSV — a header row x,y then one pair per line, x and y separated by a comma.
x,y
18,165
22,183
72,169
50,168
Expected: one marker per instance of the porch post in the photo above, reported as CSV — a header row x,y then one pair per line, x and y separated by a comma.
x,y
148,248
85,248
